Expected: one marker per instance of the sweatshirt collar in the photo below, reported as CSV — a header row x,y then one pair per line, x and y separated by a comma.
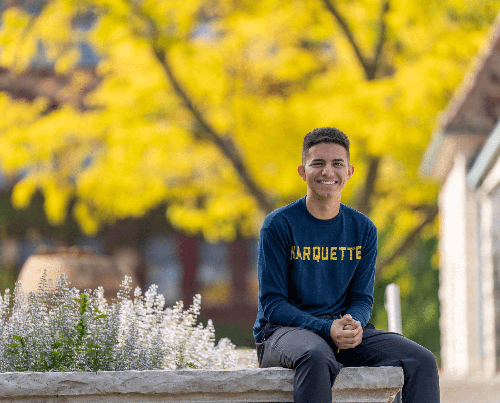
x,y
311,218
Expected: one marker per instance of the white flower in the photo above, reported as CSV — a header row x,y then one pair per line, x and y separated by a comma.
x,y
60,328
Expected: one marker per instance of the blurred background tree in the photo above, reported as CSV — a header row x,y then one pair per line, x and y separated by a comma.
x,y
203,105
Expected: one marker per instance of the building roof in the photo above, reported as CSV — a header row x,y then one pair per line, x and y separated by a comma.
x,y
471,115
485,160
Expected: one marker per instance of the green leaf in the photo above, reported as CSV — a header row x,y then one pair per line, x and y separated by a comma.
x,y
19,339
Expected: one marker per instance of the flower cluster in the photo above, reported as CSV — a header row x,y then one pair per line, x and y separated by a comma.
x,y
63,329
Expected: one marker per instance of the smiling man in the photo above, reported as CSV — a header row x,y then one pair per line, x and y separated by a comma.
x,y
316,268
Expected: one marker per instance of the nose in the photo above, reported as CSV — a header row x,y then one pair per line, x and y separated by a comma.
x,y
327,170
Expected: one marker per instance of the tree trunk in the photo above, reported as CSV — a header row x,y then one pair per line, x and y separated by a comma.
x,y
188,257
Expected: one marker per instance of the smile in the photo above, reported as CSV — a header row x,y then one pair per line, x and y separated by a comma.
x,y
328,182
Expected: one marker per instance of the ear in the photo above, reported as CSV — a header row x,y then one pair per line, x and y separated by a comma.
x,y
302,171
350,171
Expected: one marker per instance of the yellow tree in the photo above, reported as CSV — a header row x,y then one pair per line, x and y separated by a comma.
x,y
203,105
245,80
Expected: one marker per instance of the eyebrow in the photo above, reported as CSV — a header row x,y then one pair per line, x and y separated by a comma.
x,y
322,160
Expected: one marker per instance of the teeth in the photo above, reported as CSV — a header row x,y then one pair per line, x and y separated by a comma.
x,y
328,182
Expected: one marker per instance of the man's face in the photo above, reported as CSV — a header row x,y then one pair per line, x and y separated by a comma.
x,y
326,170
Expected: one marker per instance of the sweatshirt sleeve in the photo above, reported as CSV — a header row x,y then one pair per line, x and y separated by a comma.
x,y
273,259
360,290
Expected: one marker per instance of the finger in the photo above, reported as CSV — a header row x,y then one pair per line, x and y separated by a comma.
x,y
350,343
346,335
349,339
345,346
352,326
355,323
359,339
351,333
348,319
352,323
355,344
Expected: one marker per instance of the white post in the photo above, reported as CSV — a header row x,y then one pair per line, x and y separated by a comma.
x,y
393,308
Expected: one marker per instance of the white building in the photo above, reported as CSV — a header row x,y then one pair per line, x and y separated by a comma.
x,y
464,155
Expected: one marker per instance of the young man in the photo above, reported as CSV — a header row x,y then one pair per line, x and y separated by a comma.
x,y
316,268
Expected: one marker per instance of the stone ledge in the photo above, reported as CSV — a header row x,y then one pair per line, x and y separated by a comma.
x,y
244,385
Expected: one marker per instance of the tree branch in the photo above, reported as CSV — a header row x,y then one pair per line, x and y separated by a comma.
x,y
382,36
369,66
364,204
348,33
431,215
226,145
57,89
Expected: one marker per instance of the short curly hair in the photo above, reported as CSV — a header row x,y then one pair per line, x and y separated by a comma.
x,y
325,135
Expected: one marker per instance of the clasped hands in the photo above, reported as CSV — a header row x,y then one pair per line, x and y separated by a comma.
x,y
346,332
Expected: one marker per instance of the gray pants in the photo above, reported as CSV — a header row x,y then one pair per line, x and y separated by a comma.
x,y
317,362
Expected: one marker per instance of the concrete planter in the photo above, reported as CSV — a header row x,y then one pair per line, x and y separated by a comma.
x,y
83,268
243,385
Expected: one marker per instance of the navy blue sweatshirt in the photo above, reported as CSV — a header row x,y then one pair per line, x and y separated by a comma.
x,y
309,267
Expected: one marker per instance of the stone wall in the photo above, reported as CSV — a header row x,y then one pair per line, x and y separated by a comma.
x,y
453,287
495,244
244,385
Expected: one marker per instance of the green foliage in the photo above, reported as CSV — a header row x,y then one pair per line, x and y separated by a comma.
x,y
8,275
60,357
419,295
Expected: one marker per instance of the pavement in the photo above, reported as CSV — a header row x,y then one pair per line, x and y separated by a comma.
x,y
470,390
